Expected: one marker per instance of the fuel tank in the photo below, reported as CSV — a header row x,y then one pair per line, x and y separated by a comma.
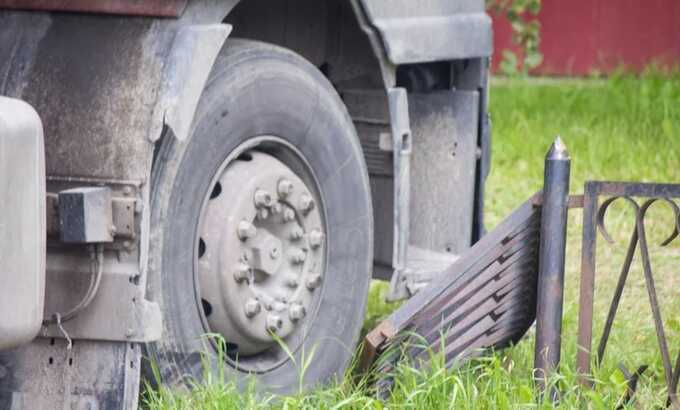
x,y
22,223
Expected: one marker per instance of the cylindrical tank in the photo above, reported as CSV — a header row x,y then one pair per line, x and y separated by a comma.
x,y
22,223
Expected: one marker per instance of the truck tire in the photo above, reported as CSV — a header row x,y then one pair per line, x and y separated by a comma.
x,y
261,228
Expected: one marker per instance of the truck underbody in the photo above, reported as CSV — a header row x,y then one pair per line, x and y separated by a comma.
x,y
132,98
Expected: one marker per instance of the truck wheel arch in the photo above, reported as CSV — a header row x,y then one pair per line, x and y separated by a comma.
x,y
333,35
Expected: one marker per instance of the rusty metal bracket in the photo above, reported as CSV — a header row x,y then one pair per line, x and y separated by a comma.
x,y
374,342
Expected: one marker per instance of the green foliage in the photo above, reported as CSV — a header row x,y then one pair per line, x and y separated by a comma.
x,y
525,34
624,128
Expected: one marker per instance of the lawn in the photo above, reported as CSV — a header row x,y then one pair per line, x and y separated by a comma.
x,y
623,128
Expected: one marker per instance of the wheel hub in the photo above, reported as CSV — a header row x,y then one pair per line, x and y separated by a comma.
x,y
261,253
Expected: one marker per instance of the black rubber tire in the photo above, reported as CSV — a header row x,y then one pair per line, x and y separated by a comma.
x,y
259,89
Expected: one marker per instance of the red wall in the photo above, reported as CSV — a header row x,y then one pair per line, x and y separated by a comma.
x,y
579,37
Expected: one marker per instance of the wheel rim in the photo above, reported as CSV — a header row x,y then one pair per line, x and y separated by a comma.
x,y
261,253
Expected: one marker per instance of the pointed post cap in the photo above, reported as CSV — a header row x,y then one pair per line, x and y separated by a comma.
x,y
558,151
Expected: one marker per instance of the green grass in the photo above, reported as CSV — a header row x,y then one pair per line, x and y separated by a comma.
x,y
625,128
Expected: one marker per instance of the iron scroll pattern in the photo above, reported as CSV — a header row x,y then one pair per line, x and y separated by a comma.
x,y
640,196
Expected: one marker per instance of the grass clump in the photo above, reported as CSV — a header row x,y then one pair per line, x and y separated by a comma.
x,y
623,128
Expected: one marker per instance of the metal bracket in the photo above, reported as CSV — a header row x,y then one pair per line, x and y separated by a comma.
x,y
119,312
382,120
401,150
123,216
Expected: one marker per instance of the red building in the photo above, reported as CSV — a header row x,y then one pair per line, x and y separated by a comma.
x,y
580,37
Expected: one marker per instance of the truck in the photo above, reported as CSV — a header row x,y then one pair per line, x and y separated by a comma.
x,y
194,186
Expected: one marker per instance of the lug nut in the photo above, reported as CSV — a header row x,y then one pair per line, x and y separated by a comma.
x,y
262,198
276,208
279,306
297,312
298,256
242,271
262,213
296,233
285,188
274,323
306,203
288,215
316,238
292,282
313,281
252,308
246,230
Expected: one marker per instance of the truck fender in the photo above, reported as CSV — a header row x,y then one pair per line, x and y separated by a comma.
x,y
187,68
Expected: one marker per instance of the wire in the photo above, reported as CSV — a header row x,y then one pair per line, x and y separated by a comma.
x,y
96,269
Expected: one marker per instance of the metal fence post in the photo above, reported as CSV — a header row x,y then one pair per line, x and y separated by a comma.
x,y
551,263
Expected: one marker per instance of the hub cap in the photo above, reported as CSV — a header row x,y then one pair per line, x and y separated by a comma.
x,y
261,253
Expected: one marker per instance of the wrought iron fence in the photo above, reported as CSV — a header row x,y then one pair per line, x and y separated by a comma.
x,y
490,296
640,196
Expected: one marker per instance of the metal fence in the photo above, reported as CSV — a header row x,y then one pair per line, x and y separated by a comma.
x,y
640,196
490,296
